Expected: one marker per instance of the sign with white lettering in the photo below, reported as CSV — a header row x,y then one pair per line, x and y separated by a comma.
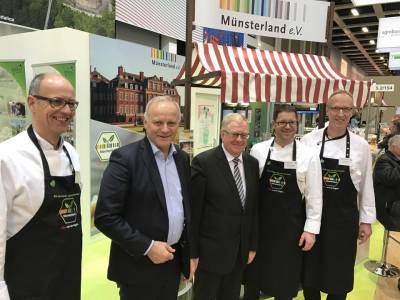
x,y
394,61
290,19
388,35
382,87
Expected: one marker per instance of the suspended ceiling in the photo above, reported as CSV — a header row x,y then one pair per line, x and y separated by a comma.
x,y
350,39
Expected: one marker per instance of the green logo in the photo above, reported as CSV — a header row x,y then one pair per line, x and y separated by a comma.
x,y
331,179
277,181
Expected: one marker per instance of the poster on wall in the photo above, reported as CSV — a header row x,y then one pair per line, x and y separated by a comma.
x,y
223,37
12,98
68,71
96,16
124,77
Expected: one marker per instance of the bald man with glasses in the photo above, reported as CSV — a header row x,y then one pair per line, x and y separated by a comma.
x,y
40,215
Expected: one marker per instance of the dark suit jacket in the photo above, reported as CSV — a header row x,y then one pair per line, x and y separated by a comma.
x,y
222,229
131,210
387,189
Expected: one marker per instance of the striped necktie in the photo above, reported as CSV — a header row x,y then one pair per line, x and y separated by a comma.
x,y
238,180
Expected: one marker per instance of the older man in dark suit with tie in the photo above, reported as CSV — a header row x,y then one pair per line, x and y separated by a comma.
x,y
143,207
224,200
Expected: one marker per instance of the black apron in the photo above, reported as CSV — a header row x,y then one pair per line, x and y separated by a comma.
x,y
329,266
282,212
43,260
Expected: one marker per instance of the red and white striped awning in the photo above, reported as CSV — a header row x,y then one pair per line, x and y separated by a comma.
x,y
251,75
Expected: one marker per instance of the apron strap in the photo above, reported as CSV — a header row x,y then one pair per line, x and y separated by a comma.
x,y
347,134
46,168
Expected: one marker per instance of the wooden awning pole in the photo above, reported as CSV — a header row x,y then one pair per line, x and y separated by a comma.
x,y
188,62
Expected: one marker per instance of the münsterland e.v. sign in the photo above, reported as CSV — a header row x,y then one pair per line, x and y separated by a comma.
x,y
290,19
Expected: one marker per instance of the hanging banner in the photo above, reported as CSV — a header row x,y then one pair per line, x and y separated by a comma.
x,y
12,98
388,35
394,61
290,19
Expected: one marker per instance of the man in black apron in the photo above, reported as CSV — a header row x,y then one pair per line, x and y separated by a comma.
x,y
44,240
284,233
346,169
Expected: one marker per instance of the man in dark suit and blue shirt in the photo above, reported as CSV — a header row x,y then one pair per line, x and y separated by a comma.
x,y
224,198
143,207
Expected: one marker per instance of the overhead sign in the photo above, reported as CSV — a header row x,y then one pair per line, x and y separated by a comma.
x,y
394,61
388,35
371,2
294,19
382,87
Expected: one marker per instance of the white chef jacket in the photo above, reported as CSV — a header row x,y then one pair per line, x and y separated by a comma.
x,y
22,185
360,167
308,168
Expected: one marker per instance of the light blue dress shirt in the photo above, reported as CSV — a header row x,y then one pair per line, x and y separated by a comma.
x,y
172,191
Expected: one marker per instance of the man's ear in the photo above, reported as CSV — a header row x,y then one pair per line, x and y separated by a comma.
x,y
31,103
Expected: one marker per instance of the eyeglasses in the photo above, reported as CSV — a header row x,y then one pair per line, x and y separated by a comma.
x,y
235,135
284,123
58,103
345,110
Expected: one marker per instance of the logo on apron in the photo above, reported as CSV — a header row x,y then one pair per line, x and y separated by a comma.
x,y
277,182
331,179
68,212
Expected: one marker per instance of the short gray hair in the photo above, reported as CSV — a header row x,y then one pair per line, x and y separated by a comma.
x,y
34,87
232,117
339,92
159,99
394,141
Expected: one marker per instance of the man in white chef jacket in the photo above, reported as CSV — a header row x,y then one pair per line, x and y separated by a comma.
x,y
40,220
348,202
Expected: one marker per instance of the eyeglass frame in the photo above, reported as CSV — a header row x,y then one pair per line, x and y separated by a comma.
x,y
284,123
235,135
73,105
345,110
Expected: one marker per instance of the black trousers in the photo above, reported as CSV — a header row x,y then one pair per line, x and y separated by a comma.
x,y
212,286
252,292
165,287
314,294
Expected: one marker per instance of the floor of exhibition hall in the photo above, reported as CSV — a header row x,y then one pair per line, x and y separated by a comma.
x,y
367,286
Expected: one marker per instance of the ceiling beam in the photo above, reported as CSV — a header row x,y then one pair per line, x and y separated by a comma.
x,y
351,36
378,11
356,25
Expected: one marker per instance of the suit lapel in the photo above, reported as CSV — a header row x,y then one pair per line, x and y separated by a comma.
x,y
151,165
224,167
247,175
180,167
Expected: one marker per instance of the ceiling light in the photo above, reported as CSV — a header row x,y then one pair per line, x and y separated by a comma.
x,y
372,42
354,12
381,58
376,51
364,29
385,64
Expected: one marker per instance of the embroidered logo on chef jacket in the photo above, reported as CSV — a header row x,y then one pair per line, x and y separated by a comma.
x,y
277,182
68,212
331,179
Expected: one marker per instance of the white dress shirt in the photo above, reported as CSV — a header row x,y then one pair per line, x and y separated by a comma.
x,y
308,168
360,167
230,159
22,185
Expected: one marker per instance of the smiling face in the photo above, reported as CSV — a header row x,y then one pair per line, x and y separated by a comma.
x,y
162,124
48,121
234,137
285,128
339,112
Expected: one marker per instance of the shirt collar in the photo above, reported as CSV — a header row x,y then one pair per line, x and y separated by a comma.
x,y
46,145
156,150
230,157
